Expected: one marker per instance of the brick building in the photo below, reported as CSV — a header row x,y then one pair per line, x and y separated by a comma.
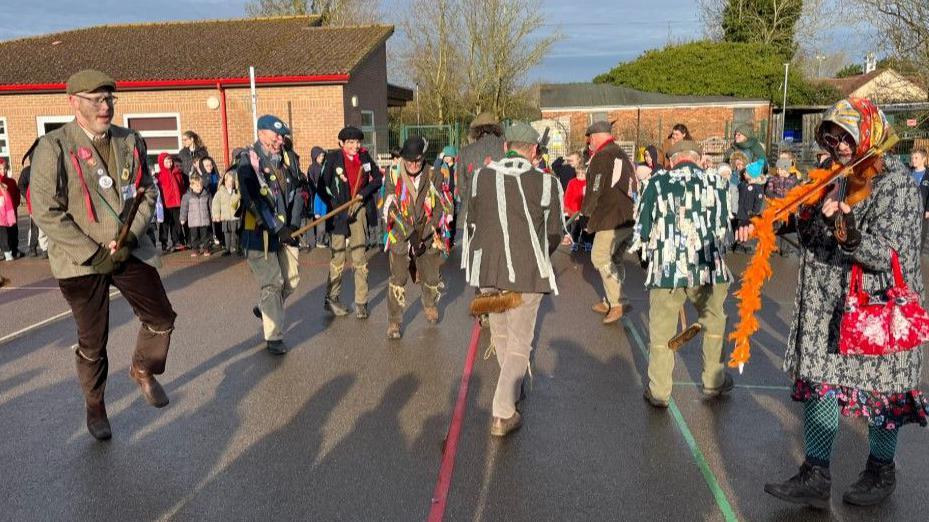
x,y
642,118
178,76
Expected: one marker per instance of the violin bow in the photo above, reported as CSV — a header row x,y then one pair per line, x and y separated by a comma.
x,y
758,270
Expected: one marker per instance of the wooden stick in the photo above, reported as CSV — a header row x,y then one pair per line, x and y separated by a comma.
x,y
302,230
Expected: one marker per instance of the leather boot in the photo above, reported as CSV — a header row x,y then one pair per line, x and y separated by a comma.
x,y
812,486
97,423
361,311
615,313
393,331
502,427
432,314
152,391
336,308
874,485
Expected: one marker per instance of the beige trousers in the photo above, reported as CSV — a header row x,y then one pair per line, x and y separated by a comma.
x,y
278,275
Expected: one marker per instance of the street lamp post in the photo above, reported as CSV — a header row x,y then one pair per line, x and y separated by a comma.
x,y
784,105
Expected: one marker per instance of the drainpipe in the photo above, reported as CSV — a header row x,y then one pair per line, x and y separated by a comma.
x,y
225,123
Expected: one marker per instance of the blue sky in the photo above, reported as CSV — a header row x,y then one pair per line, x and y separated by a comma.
x,y
597,34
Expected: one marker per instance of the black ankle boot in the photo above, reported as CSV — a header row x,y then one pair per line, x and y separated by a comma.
x,y
811,487
874,485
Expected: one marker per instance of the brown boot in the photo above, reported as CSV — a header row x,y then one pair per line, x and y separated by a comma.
x,y
601,307
152,391
502,427
393,331
614,314
97,423
432,314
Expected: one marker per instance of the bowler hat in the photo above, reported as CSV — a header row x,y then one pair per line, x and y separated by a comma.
x,y
351,133
414,148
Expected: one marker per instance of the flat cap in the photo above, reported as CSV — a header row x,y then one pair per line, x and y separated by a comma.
x,y
598,127
484,118
351,133
684,146
520,132
273,123
414,148
89,80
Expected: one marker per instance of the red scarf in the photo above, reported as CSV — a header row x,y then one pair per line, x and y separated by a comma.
x,y
352,172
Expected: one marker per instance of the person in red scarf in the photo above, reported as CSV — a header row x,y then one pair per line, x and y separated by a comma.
x,y
171,182
348,174
608,207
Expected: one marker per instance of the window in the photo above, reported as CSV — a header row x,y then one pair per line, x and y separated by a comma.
x,y
46,124
4,142
369,130
161,133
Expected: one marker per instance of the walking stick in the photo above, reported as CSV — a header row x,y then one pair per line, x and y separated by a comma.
x,y
302,230
687,333
130,217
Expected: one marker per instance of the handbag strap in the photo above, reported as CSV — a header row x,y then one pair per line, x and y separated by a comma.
x,y
854,288
898,272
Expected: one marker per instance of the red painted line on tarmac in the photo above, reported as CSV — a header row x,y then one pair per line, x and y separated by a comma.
x,y
440,496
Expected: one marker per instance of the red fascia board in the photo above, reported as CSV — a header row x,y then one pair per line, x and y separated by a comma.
x,y
189,83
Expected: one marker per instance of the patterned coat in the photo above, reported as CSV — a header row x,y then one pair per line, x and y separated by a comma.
x,y
888,219
682,228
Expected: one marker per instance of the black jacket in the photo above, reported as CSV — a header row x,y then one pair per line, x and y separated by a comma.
x,y
334,191
751,202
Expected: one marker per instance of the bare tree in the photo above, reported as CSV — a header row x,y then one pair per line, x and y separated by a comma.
x,y
502,45
432,56
904,31
331,12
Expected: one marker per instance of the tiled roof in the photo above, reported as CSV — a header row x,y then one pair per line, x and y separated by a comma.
x,y
565,95
851,84
211,49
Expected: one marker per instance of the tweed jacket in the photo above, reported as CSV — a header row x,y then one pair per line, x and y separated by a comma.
x,y
514,224
71,206
472,158
890,218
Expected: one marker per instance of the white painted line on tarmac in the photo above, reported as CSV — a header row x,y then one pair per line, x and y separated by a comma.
x,y
19,333
9,288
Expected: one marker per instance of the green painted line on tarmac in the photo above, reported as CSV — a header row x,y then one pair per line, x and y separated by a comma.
x,y
742,386
721,500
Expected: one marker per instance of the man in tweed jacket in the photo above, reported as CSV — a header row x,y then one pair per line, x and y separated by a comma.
x,y
84,177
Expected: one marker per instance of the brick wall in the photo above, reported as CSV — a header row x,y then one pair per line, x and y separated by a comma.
x,y
315,113
369,82
654,124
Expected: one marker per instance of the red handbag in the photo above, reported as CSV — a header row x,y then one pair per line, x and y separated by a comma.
x,y
881,325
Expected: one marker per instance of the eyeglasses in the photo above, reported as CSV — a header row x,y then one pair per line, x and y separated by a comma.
x,y
832,141
100,100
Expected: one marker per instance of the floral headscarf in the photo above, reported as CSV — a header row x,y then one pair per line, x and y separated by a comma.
x,y
863,121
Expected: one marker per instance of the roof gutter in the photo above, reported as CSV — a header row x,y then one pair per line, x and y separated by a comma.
x,y
193,83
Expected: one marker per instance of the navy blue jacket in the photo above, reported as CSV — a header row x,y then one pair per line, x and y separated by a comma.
x,y
271,204
334,192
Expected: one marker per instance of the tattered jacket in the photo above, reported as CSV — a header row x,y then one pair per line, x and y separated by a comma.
x,y
514,224
427,215
682,228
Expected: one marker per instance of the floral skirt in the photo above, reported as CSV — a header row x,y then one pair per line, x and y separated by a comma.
x,y
888,411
